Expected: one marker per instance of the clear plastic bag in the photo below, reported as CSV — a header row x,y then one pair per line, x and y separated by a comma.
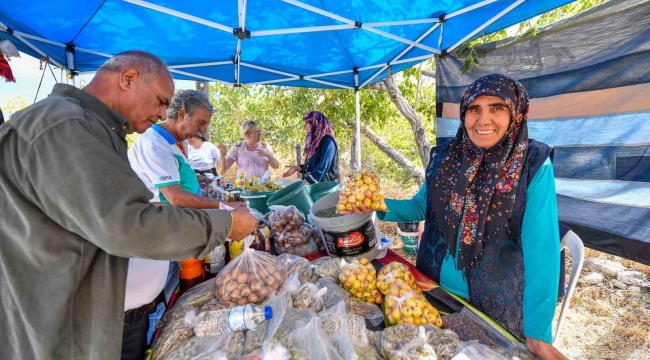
x,y
358,332
211,305
270,350
405,342
173,331
410,308
334,322
235,345
396,273
328,267
297,265
217,259
290,287
308,341
370,312
358,277
281,329
318,238
309,248
197,295
476,351
212,347
520,352
309,296
373,337
469,326
361,193
255,338
334,294
444,342
287,225
251,277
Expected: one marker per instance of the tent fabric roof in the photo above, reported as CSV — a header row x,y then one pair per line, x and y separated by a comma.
x,y
308,43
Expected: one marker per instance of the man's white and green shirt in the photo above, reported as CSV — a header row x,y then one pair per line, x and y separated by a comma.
x,y
159,162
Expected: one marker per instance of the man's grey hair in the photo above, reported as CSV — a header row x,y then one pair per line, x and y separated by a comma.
x,y
143,62
190,100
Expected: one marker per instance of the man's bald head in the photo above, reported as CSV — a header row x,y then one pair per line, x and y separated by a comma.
x,y
137,85
146,64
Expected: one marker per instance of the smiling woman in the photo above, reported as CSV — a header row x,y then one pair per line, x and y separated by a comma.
x,y
486,120
491,230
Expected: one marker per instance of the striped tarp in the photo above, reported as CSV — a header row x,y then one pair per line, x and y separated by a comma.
x,y
589,83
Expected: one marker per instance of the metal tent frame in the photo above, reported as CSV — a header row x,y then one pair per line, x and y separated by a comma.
x,y
242,34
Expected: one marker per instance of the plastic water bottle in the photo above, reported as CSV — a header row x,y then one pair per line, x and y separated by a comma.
x,y
228,320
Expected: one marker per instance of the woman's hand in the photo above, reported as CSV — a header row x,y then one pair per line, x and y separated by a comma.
x,y
292,170
544,350
264,153
223,150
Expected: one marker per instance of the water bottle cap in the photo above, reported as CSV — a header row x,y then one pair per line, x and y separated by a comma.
x,y
268,312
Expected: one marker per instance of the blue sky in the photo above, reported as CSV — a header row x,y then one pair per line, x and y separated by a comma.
x,y
28,75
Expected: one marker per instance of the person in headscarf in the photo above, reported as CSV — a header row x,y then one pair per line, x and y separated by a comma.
x,y
321,151
490,210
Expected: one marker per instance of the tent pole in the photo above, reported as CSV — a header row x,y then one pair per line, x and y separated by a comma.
x,y
357,130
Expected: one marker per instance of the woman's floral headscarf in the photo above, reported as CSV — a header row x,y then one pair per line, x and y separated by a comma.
x,y
320,126
475,188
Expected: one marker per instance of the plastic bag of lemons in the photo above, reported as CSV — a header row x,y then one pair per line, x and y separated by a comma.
x,y
359,279
362,194
398,274
409,308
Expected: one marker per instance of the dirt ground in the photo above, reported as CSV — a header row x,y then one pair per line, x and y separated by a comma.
x,y
602,322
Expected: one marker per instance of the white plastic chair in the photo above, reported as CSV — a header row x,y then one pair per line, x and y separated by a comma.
x,y
572,242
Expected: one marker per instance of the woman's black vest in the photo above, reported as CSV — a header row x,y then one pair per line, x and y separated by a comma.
x,y
496,285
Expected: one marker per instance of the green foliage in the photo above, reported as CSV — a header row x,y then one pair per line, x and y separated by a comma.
x,y
524,29
280,111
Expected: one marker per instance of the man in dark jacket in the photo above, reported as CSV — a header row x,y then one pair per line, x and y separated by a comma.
x,y
74,211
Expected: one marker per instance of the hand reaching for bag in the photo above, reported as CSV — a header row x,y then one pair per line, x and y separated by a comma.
x,y
243,223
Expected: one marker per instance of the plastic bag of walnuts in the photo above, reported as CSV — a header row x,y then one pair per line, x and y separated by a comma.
x,y
251,277
287,225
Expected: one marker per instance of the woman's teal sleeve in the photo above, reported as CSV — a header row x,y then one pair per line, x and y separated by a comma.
x,y
411,210
541,247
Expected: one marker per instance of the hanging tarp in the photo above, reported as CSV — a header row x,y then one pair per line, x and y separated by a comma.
x,y
305,43
589,83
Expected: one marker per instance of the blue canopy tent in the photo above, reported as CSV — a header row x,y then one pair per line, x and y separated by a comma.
x,y
324,44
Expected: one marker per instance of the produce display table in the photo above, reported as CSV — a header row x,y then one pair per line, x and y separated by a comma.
x,y
444,301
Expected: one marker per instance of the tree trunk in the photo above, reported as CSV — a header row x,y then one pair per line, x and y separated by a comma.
x,y
401,160
353,153
421,137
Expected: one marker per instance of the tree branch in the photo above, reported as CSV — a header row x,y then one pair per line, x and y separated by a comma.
x,y
401,160
420,134
431,74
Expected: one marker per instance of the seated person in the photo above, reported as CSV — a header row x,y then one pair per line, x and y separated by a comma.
x,y
252,155
489,205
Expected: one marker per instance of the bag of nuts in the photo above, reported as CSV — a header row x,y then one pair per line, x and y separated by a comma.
x,y
250,278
